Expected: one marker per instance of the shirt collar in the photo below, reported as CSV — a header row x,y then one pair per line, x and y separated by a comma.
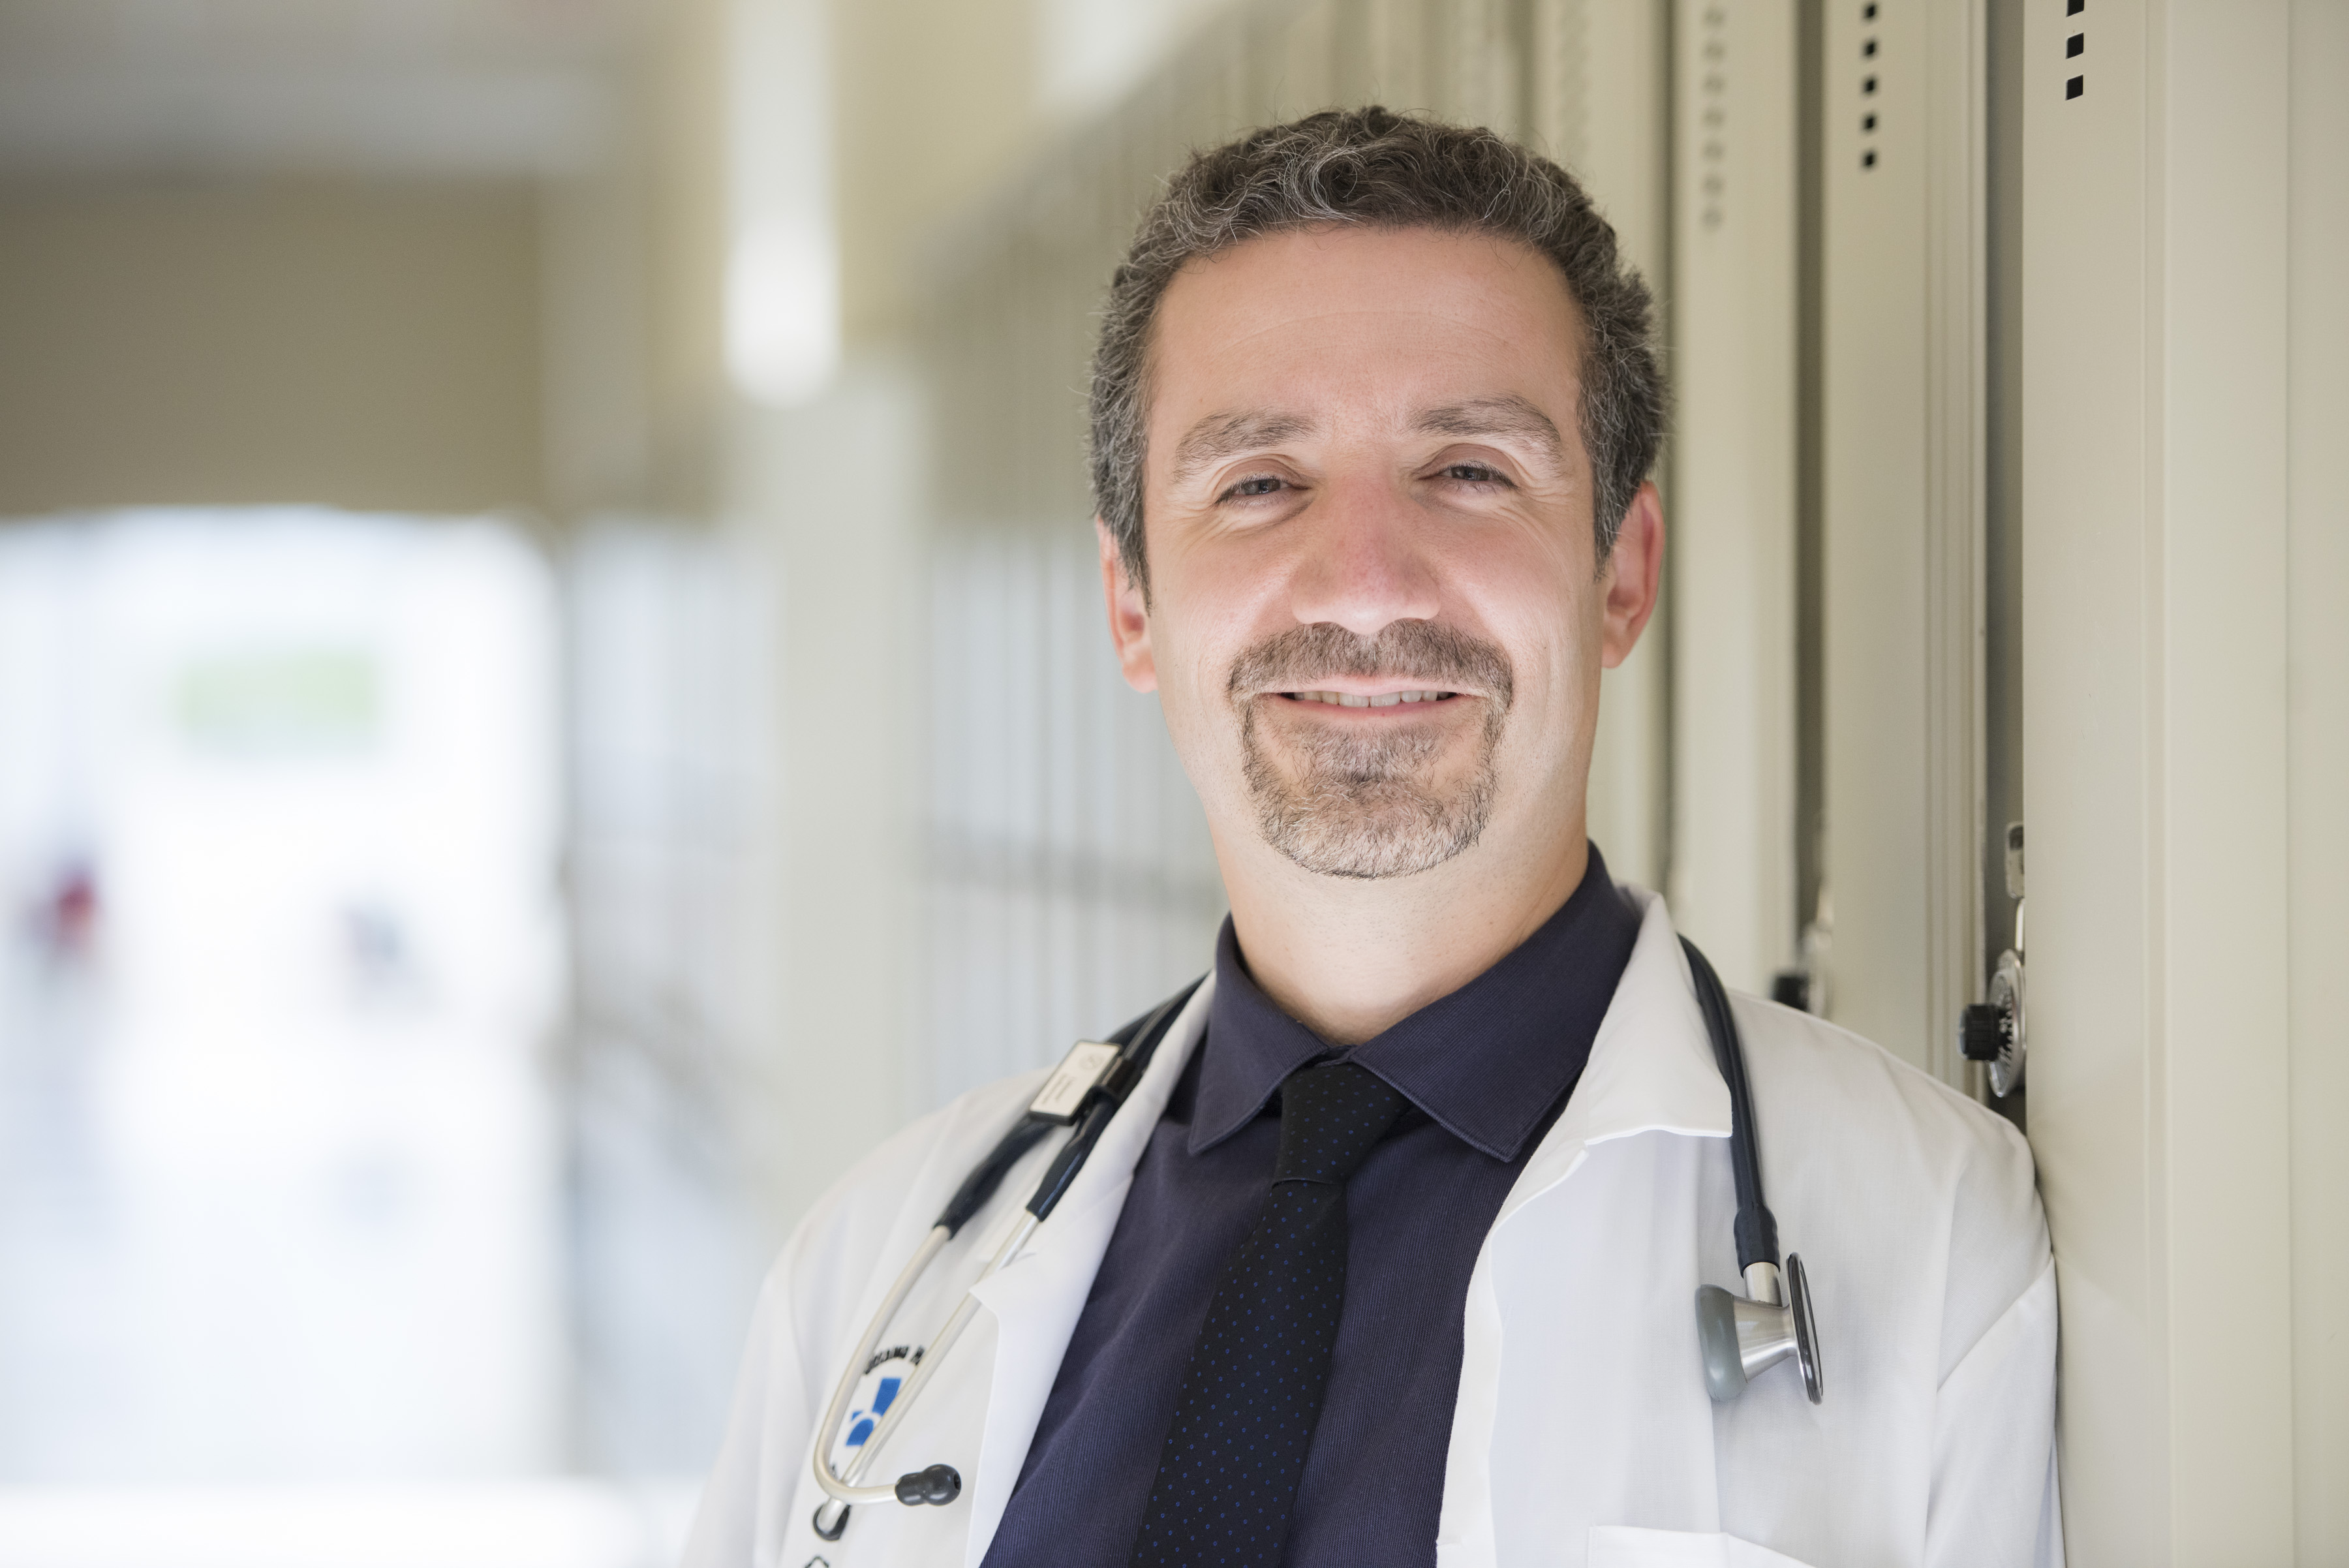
x,y
1486,1062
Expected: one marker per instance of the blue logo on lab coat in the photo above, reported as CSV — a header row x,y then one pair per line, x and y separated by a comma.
x,y
862,1423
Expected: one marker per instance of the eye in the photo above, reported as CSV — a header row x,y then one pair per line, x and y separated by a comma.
x,y
1473,473
1250,489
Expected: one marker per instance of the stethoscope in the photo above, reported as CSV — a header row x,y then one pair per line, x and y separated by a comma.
x,y
1083,1093
1741,1337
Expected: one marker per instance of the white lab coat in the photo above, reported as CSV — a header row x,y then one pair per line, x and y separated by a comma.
x,y
1582,1434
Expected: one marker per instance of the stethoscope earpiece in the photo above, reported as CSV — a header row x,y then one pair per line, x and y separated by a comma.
x,y
1742,1336
939,1485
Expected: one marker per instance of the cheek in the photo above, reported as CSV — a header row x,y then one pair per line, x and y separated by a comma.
x,y
1212,611
1554,658
1531,601
1191,679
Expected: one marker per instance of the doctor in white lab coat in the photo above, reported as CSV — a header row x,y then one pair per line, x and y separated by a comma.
x,y
1370,379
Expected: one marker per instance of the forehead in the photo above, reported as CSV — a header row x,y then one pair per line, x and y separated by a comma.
x,y
1362,315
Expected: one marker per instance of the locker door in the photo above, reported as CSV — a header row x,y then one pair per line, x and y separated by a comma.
x,y
1901,91
1732,558
2156,626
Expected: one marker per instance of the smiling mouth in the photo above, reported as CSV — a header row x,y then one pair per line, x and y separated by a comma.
x,y
1360,700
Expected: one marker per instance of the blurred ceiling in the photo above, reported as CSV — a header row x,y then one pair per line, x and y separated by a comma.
x,y
325,87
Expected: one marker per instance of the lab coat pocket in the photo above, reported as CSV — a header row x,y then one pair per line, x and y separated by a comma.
x,y
1627,1546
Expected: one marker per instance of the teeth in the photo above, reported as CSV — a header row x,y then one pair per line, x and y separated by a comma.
x,y
1352,700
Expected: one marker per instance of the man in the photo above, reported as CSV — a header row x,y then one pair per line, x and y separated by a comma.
x,y
1390,1256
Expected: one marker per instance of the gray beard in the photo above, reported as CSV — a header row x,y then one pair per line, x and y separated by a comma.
x,y
1368,806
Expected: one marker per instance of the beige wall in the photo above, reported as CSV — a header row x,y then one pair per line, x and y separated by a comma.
x,y
2317,555
365,345
676,168
935,100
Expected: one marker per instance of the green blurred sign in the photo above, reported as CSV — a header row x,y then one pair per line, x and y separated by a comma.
x,y
287,699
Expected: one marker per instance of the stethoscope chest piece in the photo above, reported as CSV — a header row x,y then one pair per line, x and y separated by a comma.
x,y
1743,1337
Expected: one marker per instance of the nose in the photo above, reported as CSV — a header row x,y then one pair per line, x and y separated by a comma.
x,y
1364,564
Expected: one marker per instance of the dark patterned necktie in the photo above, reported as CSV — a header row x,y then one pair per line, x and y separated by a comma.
x,y
1228,1476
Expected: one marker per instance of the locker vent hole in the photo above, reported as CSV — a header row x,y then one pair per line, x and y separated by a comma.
x,y
1869,47
1716,51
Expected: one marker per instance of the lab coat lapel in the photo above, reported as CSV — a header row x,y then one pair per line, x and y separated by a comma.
x,y
1036,1300
1593,1261
1651,1067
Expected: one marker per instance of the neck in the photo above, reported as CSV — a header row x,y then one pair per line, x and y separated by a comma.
x,y
1349,959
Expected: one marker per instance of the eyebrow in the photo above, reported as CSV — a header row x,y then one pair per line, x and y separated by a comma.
x,y
1220,436
1509,416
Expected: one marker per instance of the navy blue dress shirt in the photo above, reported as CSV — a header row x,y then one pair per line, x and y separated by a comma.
x,y
1486,1069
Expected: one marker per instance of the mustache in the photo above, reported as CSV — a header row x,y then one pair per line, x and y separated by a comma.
x,y
1434,655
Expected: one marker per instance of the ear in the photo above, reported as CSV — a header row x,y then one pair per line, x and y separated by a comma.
x,y
1634,576
1129,614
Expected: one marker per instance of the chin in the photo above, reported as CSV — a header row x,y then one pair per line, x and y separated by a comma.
x,y
1371,829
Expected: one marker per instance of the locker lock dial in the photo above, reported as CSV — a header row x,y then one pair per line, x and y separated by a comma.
x,y
1992,1031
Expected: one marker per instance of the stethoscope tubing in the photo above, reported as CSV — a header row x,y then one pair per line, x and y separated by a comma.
x,y
843,1489
1757,1229
1136,1043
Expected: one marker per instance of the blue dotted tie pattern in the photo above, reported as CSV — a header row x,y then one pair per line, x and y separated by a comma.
x,y
1227,1477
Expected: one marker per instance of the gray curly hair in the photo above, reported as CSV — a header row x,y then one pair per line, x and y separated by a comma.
x,y
1387,170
